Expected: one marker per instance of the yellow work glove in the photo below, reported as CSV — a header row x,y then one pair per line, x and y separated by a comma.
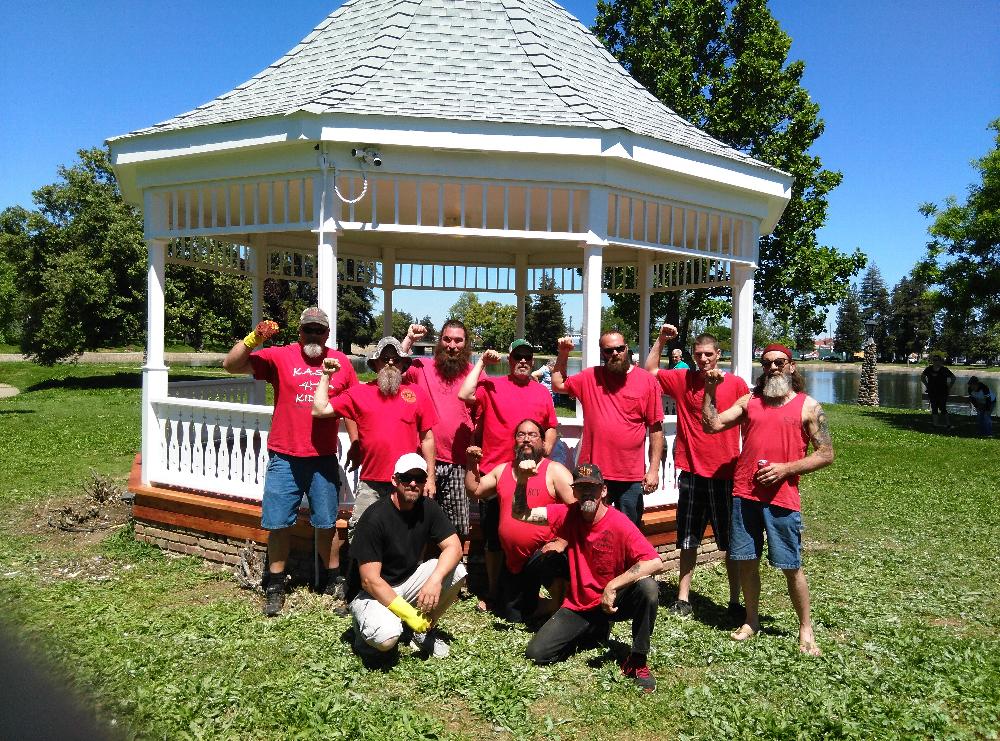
x,y
264,331
409,615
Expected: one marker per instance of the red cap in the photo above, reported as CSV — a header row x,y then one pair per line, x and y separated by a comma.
x,y
777,347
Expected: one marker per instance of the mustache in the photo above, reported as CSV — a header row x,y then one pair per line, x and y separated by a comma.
x,y
389,380
313,350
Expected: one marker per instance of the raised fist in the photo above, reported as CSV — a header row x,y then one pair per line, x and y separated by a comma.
x,y
473,454
713,378
668,332
264,331
565,344
491,357
525,470
417,332
330,365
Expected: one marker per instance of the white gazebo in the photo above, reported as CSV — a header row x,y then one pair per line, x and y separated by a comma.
x,y
444,145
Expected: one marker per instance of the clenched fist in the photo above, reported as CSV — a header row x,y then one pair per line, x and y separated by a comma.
x,y
668,332
264,331
490,357
525,470
473,454
330,365
565,345
417,332
713,378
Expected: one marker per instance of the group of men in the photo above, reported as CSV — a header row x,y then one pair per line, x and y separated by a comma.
x,y
431,434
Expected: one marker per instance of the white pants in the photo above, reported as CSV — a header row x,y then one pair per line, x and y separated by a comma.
x,y
377,624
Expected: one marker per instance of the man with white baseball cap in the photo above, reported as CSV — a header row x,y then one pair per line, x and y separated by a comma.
x,y
389,586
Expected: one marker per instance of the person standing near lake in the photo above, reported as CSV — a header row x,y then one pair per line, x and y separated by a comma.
x,y
621,406
778,421
937,381
302,450
676,360
984,401
705,463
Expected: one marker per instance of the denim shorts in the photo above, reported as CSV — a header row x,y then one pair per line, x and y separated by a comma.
x,y
288,478
751,520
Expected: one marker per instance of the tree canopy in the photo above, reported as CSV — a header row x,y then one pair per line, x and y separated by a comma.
x,y
491,325
544,320
723,65
849,334
875,305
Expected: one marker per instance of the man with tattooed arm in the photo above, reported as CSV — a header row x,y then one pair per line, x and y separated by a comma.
x,y
779,421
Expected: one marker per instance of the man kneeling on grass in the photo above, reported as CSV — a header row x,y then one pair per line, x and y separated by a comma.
x,y
389,584
610,562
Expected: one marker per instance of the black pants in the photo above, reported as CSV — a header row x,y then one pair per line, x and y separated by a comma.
x,y
564,631
519,592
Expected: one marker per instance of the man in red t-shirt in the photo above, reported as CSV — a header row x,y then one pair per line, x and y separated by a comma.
x,y
704,463
778,421
392,419
302,450
621,403
533,558
610,565
501,403
441,380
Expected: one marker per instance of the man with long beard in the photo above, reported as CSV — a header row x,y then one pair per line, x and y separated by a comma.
x,y
533,557
441,380
621,403
501,403
610,565
704,463
302,450
392,419
778,420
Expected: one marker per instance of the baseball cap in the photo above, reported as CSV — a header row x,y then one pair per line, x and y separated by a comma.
x,y
587,473
314,315
396,346
521,343
410,462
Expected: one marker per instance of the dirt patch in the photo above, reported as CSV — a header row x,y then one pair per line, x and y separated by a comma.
x,y
69,523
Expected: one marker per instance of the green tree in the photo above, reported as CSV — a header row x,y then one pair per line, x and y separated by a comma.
x,y
490,325
11,312
963,262
875,305
911,323
401,321
612,322
205,309
723,65
849,334
545,322
80,263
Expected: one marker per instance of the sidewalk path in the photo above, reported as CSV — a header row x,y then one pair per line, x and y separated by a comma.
x,y
187,358
8,391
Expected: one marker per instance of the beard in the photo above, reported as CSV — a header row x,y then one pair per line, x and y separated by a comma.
x,y
588,506
313,350
451,366
526,452
776,388
389,380
618,367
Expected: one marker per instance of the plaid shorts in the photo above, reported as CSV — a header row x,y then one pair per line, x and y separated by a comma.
x,y
700,501
450,481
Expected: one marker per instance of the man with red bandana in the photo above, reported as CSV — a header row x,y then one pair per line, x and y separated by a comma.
x,y
779,421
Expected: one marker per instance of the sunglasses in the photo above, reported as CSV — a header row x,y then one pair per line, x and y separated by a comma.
x,y
779,363
526,436
411,478
517,358
314,329
613,350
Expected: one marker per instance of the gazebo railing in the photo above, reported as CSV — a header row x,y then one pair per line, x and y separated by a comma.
x,y
238,390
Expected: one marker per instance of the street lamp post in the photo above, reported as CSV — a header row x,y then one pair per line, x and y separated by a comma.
x,y
868,387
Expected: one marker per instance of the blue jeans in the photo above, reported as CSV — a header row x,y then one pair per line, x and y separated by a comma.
x,y
626,496
288,478
751,520
985,418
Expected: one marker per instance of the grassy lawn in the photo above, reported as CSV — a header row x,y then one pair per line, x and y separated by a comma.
x,y
901,554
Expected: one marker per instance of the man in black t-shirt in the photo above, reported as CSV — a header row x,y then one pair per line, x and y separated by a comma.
x,y
390,586
937,381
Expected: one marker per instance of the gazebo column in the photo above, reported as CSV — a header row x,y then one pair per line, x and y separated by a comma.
x,y
258,269
742,284
388,286
154,371
326,280
593,272
645,295
521,291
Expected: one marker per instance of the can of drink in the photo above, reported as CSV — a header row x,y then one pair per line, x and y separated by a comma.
x,y
762,463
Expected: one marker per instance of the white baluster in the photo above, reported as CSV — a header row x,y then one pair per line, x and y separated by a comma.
x,y
222,467
198,469
173,449
211,451
184,464
236,454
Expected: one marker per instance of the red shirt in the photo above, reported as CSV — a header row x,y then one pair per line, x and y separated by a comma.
x,y
696,451
388,426
295,378
518,538
774,434
597,552
615,419
504,404
453,431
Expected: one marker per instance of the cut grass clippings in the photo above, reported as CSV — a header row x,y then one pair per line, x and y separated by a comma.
x,y
900,551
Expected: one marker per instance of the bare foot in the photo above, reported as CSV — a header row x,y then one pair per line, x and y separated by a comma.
x,y
807,642
744,632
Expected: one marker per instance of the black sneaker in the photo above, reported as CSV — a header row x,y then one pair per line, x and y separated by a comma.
x,y
274,598
335,587
681,608
639,673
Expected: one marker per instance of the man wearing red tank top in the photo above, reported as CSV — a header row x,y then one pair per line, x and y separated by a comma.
x,y
778,422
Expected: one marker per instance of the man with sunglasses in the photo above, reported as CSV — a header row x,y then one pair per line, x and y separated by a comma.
x,y
610,565
704,463
621,405
302,450
390,586
533,558
441,380
392,418
501,403
778,421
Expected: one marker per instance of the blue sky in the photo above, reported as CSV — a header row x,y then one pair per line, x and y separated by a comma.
x,y
907,90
